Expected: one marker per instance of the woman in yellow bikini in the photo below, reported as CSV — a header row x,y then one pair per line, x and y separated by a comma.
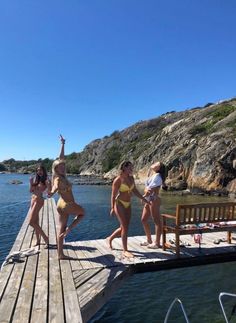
x,y
38,185
66,204
122,189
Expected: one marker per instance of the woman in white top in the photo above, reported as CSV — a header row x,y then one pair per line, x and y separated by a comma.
x,y
152,187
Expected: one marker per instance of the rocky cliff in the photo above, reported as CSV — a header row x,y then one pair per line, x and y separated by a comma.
x,y
198,147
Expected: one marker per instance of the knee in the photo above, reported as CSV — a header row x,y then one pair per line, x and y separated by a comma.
x,y
124,229
143,220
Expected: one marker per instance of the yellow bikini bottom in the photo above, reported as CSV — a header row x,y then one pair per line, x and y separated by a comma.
x,y
124,203
61,204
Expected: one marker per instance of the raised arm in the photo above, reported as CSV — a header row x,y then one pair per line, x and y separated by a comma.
x,y
62,151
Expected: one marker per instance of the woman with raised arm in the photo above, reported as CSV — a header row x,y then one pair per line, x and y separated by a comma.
x,y
156,177
38,184
66,204
122,189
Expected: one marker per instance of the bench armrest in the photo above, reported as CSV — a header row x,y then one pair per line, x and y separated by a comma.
x,y
169,216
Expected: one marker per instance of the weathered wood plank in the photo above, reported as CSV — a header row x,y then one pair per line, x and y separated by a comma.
x,y
80,278
78,249
71,302
39,307
97,254
7,270
14,284
56,302
22,311
100,289
113,257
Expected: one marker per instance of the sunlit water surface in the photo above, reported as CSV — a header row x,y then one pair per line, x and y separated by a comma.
x,y
144,297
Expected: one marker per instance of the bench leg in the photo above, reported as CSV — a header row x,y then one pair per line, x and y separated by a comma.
x,y
177,244
163,240
229,236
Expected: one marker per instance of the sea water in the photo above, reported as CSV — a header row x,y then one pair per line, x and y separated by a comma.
x,y
144,297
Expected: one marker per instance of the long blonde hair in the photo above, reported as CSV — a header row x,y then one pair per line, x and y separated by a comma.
x,y
55,173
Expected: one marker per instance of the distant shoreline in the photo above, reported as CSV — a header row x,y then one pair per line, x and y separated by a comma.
x,y
100,181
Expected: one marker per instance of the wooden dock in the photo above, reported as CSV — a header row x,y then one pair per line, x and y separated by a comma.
x,y
40,288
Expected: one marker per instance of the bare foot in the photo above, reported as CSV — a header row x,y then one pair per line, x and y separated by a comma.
x,y
128,254
36,244
108,241
64,257
46,241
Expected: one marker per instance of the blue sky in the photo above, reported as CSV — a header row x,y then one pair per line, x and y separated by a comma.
x,y
85,68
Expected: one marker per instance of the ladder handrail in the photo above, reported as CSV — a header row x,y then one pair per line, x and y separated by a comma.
x,y
221,304
171,305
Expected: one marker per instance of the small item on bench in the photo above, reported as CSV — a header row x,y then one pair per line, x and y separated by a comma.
x,y
198,239
181,243
218,241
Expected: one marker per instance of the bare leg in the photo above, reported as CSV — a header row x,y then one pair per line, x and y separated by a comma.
x,y
145,216
124,215
34,221
74,223
115,234
73,209
63,218
155,212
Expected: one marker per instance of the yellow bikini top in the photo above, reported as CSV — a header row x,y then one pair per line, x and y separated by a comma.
x,y
64,186
126,188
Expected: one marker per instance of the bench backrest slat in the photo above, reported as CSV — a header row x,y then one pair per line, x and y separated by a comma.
x,y
205,213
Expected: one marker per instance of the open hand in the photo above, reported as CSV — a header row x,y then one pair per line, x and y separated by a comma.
x,y
62,139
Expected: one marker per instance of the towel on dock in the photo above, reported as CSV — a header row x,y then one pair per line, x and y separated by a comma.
x,y
17,256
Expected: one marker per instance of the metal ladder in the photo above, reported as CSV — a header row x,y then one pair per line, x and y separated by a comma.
x,y
170,308
221,304
177,300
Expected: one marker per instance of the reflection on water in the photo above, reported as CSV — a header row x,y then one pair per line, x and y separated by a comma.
x,y
145,297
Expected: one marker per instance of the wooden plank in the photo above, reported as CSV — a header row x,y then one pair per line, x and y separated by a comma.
x,y
14,284
102,247
97,254
112,255
101,289
71,301
22,310
87,264
56,302
39,307
89,253
74,262
72,307
81,278
142,253
7,270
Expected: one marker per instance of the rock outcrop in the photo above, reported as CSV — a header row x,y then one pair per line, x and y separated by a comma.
x,y
198,147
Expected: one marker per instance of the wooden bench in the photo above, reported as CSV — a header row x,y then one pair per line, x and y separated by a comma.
x,y
198,218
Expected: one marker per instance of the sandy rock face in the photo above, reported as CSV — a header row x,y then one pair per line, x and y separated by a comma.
x,y
198,147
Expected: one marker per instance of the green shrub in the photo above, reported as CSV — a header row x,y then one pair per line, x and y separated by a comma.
x,y
111,159
222,111
202,128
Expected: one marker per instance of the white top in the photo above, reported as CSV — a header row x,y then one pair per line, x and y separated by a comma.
x,y
154,181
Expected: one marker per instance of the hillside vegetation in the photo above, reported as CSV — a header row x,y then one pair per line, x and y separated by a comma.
x,y
198,147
